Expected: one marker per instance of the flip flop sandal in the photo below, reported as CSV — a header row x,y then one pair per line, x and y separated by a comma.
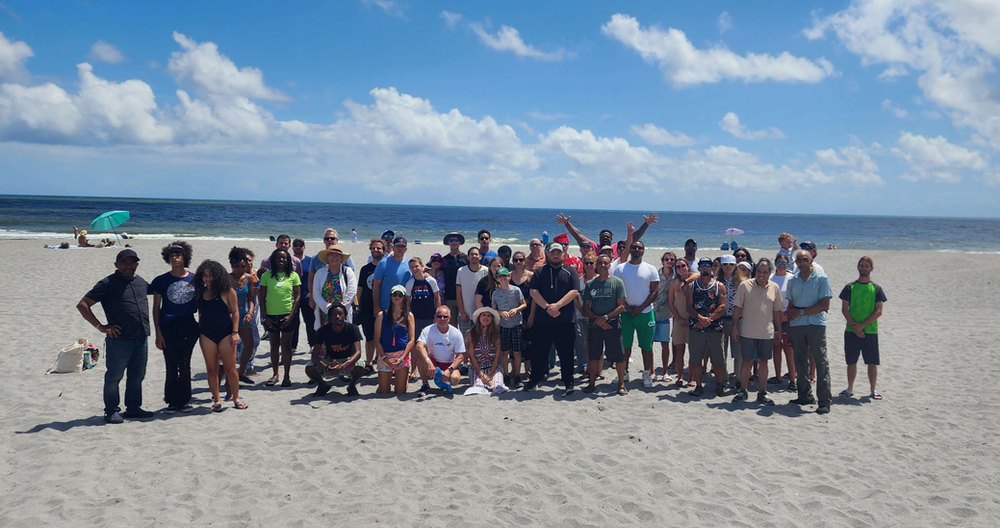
x,y
845,394
876,395
622,391
272,381
240,404
217,407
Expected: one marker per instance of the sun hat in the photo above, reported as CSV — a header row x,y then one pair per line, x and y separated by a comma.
x,y
437,257
461,237
484,309
727,259
335,249
399,288
83,232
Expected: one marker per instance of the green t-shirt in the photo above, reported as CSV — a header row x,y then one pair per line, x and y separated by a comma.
x,y
862,297
604,295
279,291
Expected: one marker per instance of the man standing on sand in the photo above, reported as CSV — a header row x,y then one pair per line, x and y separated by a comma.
x,y
690,254
756,317
535,259
808,301
123,297
706,302
862,306
606,237
485,254
811,248
553,288
354,236
391,271
453,261
282,242
366,300
465,288
603,303
305,303
176,330
642,283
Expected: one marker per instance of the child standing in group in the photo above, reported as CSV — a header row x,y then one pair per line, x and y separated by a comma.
x,y
788,244
510,303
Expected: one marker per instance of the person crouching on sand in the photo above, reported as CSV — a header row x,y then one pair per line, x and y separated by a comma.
x,y
337,351
394,341
486,358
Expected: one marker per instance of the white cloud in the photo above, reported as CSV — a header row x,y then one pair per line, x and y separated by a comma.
x,y
898,112
215,74
104,52
508,39
893,71
992,179
952,45
936,157
852,164
655,135
731,123
451,19
13,55
390,7
540,116
725,22
684,65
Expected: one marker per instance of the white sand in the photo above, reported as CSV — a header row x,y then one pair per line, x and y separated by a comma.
x,y
927,455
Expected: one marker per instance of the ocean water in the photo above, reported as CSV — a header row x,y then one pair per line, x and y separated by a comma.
x,y
54,217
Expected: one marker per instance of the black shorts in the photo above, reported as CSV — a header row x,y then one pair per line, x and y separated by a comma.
x,y
512,339
609,341
855,346
368,327
275,327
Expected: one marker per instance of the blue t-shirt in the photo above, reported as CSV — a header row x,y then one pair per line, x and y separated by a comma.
x,y
391,273
176,294
487,257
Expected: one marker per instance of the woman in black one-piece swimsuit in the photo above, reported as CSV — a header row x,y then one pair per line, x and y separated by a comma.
x,y
218,319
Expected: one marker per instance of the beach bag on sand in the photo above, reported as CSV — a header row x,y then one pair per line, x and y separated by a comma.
x,y
75,357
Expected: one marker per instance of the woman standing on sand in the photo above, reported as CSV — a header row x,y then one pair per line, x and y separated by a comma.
x,y
435,269
279,301
245,283
732,275
677,298
662,313
489,283
521,279
218,321
782,342
394,340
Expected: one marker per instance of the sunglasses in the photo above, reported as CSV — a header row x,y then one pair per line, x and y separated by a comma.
x,y
397,294
585,263
450,240
669,260
299,245
681,266
484,238
729,264
330,238
704,265
780,263
535,244
439,316
517,260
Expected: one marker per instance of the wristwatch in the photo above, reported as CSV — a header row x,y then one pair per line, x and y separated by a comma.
x,y
606,318
801,311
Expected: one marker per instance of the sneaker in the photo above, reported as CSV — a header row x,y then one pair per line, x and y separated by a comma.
x,y
424,389
516,382
698,391
792,386
764,400
804,401
186,408
171,409
720,390
138,413
626,376
114,418
528,387
567,392
741,396
823,409
266,336
647,381
352,390
321,391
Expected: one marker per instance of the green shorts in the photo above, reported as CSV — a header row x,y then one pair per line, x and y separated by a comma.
x,y
642,324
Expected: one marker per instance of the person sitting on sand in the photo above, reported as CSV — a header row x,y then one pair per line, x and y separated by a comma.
x,y
486,356
337,351
441,350
862,306
81,238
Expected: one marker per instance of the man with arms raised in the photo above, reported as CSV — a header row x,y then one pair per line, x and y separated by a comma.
x,y
641,286
756,316
862,306
808,301
606,237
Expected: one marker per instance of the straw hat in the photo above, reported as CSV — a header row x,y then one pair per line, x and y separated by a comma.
x,y
336,250
485,309
83,232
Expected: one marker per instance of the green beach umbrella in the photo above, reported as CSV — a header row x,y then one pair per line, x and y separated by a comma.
x,y
110,220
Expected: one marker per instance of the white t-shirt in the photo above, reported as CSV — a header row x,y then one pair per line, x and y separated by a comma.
x,y
782,283
637,278
442,347
469,280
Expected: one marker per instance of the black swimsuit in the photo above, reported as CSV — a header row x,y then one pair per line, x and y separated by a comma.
x,y
214,319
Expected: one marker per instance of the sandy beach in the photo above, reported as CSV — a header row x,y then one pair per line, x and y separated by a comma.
x,y
926,455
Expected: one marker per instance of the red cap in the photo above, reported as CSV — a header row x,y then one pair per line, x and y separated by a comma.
x,y
562,239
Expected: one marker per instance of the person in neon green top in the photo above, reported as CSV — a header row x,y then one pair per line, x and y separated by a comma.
x,y
279,300
861,304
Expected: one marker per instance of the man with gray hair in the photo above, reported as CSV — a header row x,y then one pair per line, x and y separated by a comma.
x,y
756,316
809,297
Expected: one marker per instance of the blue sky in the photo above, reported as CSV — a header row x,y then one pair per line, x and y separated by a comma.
x,y
826,107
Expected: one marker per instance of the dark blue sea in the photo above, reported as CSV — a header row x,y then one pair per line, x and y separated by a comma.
x,y
53,217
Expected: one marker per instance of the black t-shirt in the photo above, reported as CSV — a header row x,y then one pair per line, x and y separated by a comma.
x,y
451,265
339,345
483,289
553,284
124,303
365,289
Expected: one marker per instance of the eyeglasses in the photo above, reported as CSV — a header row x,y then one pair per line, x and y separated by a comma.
x,y
397,294
517,260
439,316
330,238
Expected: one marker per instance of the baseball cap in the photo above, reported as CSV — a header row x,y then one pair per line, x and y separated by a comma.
x,y
388,233
704,260
503,272
807,245
126,253
399,241
727,259
690,242
746,265
398,289
562,239
606,247
554,246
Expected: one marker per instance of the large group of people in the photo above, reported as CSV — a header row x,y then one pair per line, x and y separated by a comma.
x,y
498,318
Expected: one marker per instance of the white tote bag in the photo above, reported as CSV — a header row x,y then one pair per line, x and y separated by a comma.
x,y
70,358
